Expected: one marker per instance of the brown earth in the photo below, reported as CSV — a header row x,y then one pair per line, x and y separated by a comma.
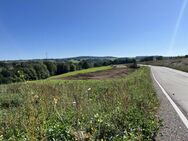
x,y
116,72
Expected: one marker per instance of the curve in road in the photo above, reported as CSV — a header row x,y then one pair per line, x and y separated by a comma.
x,y
172,90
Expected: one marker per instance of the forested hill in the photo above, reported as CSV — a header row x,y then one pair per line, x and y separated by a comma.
x,y
79,58
25,70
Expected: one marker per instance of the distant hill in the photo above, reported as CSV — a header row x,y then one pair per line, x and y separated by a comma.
x,y
79,58
91,58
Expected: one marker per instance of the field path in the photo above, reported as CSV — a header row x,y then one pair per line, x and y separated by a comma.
x,y
172,89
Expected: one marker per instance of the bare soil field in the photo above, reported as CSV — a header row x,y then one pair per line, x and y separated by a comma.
x,y
116,72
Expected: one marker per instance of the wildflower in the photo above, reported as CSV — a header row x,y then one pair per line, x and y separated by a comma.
x,y
96,115
50,130
36,96
100,120
55,100
1,137
89,89
74,103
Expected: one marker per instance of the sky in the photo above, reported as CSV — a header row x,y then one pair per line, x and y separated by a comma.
x,y
31,29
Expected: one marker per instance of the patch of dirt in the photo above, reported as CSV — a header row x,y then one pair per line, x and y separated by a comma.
x,y
116,72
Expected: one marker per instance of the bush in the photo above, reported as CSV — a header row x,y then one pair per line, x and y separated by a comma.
x,y
134,64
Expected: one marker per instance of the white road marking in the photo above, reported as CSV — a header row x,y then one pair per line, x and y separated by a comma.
x,y
181,115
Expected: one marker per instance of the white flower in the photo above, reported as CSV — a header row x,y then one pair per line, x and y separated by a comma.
x,y
96,115
50,130
89,89
74,103
1,137
55,100
36,96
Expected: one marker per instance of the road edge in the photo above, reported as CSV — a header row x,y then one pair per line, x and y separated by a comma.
x,y
176,108
172,129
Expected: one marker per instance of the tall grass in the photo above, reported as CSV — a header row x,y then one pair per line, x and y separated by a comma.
x,y
119,109
179,63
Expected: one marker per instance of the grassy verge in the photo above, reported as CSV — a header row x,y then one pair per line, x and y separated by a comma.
x,y
81,72
119,109
179,63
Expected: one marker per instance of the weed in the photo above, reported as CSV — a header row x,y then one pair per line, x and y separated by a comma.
x,y
117,109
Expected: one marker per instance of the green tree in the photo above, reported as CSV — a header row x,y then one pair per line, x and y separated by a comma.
x,y
18,76
134,64
41,70
72,67
85,65
30,73
6,76
6,73
63,68
52,67
66,67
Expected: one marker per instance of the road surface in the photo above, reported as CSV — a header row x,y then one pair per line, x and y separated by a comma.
x,y
175,84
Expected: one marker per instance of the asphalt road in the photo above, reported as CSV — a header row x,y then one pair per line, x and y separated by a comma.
x,y
175,84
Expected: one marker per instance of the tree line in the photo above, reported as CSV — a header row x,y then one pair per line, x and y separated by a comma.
x,y
16,71
158,58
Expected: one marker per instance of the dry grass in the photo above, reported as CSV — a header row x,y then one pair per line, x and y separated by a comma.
x,y
119,109
179,63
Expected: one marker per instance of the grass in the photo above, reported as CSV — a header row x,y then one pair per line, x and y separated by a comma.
x,y
178,63
111,110
81,72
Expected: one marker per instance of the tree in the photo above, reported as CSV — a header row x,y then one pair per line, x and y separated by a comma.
x,y
97,64
63,68
41,70
6,76
6,73
84,64
66,67
30,73
134,64
2,64
149,58
18,75
72,67
159,58
52,67
1,78
60,68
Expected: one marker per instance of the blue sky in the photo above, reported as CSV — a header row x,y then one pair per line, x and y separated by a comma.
x,y
65,28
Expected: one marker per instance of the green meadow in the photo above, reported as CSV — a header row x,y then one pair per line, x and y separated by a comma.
x,y
122,109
